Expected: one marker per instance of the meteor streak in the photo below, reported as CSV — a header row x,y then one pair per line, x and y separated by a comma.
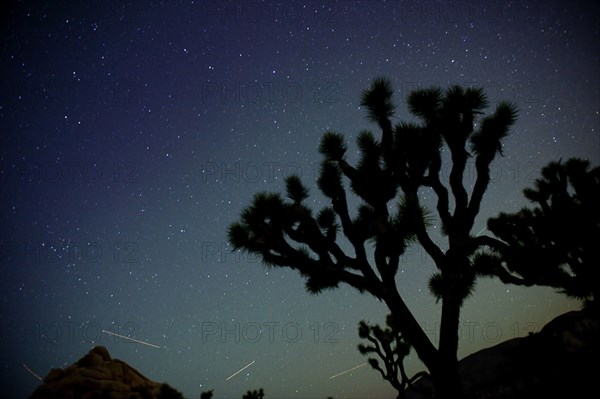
x,y
131,339
481,231
32,373
347,371
240,370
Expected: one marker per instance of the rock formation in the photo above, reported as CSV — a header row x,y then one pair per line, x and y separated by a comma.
x,y
98,376
553,363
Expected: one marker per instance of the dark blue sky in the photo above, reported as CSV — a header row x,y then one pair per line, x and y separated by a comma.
x,y
133,133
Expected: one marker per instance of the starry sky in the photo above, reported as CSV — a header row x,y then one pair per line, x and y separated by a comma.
x,y
134,132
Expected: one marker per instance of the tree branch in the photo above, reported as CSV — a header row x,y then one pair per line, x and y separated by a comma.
x,y
433,180
340,206
314,268
459,162
482,165
430,247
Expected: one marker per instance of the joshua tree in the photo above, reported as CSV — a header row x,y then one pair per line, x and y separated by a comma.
x,y
387,181
554,244
168,392
391,348
206,394
254,394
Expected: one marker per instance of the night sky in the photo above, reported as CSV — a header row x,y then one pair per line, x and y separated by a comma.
x,y
133,133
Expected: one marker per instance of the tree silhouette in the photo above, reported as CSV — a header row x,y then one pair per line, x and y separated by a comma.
x,y
554,244
391,348
254,394
387,180
206,394
168,392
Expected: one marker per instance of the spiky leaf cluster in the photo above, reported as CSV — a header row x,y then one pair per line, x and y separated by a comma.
x,y
295,189
378,100
461,287
425,103
330,180
333,147
487,141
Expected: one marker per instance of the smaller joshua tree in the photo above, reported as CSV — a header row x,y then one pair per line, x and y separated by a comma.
x,y
260,394
206,395
553,244
391,347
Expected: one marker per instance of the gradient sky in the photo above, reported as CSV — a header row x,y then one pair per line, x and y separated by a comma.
x,y
133,133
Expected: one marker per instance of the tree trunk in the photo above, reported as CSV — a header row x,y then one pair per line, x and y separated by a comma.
x,y
447,382
442,363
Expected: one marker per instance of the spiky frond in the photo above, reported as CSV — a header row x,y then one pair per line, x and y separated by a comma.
x,y
327,221
327,218
415,147
486,264
333,146
370,153
266,213
378,100
436,286
506,113
460,100
330,179
238,236
404,132
411,215
295,189
461,288
373,363
553,178
367,143
467,285
365,221
425,103
581,178
487,141
264,206
363,329
454,99
366,214
372,183
475,98
319,282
